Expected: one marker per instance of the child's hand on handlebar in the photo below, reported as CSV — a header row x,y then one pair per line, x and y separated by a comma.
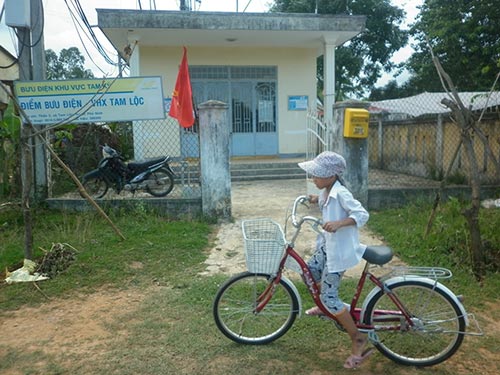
x,y
313,198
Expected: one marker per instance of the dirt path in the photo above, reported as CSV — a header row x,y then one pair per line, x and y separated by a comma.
x,y
264,199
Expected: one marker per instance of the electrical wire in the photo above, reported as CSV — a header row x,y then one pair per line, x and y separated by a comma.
x,y
90,29
77,26
16,58
82,110
71,118
14,62
249,2
78,14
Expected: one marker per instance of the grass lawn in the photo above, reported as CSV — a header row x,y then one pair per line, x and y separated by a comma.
x,y
140,305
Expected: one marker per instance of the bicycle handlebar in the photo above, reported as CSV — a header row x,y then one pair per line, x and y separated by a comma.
x,y
302,199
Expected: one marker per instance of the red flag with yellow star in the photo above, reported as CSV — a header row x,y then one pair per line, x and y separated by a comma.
x,y
181,106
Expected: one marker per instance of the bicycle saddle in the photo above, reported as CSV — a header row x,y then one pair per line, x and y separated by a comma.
x,y
378,254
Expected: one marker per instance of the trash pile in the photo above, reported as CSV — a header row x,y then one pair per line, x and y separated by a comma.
x,y
24,274
491,203
55,261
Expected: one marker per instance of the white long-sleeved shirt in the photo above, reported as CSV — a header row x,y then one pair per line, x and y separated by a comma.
x,y
343,249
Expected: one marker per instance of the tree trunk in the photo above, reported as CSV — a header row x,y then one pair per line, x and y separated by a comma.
x,y
472,213
464,118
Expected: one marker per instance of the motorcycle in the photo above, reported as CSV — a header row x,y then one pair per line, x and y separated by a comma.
x,y
154,176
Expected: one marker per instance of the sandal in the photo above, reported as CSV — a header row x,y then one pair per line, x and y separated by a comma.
x,y
314,311
354,361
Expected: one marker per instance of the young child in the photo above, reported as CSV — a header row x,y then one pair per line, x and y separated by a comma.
x,y
338,248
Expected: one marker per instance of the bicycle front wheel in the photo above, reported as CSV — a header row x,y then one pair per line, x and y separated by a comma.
x,y
235,315
438,324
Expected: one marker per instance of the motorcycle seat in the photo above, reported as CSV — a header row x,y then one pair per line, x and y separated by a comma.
x,y
145,163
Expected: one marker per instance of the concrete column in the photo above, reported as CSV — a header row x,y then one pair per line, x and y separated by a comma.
x,y
354,150
214,159
329,81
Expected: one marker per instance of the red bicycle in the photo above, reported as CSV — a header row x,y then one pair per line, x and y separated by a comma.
x,y
409,316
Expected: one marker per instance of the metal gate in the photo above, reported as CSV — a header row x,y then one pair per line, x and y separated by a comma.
x,y
318,134
266,135
318,138
251,95
253,119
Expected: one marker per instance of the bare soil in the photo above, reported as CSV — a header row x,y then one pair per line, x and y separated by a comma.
x,y
267,199
79,326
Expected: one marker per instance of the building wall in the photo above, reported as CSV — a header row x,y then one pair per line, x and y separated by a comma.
x,y
6,74
12,72
296,76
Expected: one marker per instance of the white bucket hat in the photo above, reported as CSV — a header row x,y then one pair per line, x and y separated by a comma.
x,y
326,164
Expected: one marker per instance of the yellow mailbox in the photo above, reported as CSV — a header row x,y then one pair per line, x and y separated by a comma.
x,y
356,123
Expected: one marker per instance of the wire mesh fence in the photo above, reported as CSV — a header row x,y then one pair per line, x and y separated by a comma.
x,y
80,147
414,142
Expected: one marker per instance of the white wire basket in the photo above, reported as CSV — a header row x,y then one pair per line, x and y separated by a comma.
x,y
264,245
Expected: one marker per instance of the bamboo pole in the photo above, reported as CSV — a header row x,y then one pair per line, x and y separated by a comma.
x,y
81,189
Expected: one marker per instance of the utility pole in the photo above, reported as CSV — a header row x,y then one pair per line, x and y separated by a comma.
x,y
33,154
38,64
24,43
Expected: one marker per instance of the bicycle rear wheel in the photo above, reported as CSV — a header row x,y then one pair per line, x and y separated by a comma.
x,y
234,309
438,329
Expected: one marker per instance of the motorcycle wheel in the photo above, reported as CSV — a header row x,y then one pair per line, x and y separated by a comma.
x,y
160,182
96,187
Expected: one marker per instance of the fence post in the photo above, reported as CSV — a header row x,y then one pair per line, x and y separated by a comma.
x,y
354,150
439,147
380,156
214,159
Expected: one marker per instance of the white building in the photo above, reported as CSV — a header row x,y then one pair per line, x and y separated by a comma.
x,y
263,65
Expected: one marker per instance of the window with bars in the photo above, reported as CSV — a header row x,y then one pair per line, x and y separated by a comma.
x,y
233,72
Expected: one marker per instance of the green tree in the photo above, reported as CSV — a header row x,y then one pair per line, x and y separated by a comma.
x,y
10,179
390,91
68,65
464,37
360,62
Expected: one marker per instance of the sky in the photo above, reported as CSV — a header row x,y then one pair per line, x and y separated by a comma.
x,y
60,31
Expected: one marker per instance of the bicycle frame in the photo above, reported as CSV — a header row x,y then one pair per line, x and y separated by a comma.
x,y
314,291
407,314
401,317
